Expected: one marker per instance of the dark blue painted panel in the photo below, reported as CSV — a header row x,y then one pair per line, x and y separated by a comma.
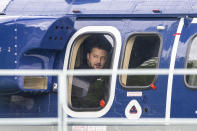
x,y
8,38
183,98
41,44
30,50
58,34
7,41
154,101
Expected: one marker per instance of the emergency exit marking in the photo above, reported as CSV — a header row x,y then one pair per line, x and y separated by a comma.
x,y
176,34
102,103
134,94
153,86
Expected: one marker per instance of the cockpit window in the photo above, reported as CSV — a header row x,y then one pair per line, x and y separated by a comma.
x,y
141,52
90,51
191,63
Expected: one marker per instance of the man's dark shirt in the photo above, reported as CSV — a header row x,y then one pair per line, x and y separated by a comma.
x,y
88,91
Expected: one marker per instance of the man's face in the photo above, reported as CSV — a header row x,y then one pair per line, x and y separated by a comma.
x,y
97,58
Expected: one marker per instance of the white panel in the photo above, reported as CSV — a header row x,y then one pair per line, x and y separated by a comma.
x,y
138,109
95,29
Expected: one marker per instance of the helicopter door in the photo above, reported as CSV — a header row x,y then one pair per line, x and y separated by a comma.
x,y
184,88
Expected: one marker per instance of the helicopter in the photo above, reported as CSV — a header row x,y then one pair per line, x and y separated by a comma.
x,y
144,34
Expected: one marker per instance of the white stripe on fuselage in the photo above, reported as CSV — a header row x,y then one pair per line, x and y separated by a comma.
x,y
172,64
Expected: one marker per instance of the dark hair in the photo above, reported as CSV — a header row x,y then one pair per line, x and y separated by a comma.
x,y
97,41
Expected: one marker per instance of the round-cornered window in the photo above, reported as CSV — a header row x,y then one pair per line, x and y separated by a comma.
x,y
141,52
91,48
90,51
191,63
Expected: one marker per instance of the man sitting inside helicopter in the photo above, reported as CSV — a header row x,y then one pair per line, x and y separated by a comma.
x,y
92,91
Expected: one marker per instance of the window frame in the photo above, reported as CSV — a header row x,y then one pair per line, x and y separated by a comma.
x,y
186,60
72,62
115,34
123,57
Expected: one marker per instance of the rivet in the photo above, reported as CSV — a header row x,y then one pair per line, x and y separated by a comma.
x,y
55,87
9,49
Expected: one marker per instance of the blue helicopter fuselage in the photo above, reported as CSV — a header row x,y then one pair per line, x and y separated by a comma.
x,y
35,35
